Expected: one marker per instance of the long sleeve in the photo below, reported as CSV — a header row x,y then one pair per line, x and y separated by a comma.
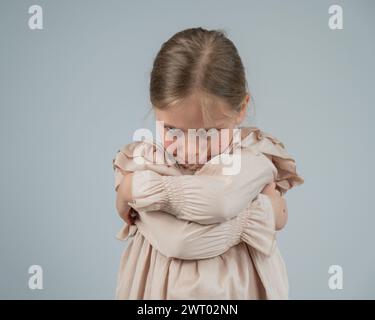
x,y
205,199
182,239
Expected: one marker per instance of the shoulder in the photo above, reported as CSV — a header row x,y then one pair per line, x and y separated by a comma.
x,y
142,155
128,154
137,148
254,136
271,147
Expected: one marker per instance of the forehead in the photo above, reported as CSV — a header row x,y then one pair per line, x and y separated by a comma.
x,y
188,114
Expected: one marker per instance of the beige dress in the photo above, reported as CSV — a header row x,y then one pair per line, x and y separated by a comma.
x,y
204,234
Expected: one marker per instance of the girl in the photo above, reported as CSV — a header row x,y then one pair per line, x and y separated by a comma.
x,y
196,233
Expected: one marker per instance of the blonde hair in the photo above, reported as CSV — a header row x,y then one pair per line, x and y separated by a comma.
x,y
199,62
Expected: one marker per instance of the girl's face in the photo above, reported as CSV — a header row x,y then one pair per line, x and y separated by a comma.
x,y
200,146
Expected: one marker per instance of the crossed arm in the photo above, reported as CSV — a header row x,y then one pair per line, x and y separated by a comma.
x,y
184,239
187,232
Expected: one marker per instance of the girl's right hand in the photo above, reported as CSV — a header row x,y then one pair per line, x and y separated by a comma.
x,y
278,204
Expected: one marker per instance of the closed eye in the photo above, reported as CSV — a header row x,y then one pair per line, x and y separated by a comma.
x,y
207,129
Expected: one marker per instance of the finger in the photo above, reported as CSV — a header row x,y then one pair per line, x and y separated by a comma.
x,y
128,220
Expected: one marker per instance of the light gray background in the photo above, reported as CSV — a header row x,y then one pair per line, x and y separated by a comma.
x,y
73,94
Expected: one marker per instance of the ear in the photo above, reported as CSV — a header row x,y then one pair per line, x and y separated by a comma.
x,y
242,113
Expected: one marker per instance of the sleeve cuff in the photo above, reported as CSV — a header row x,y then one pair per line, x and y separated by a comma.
x,y
255,225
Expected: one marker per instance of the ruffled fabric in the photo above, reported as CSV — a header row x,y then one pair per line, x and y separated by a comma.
x,y
274,149
142,155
